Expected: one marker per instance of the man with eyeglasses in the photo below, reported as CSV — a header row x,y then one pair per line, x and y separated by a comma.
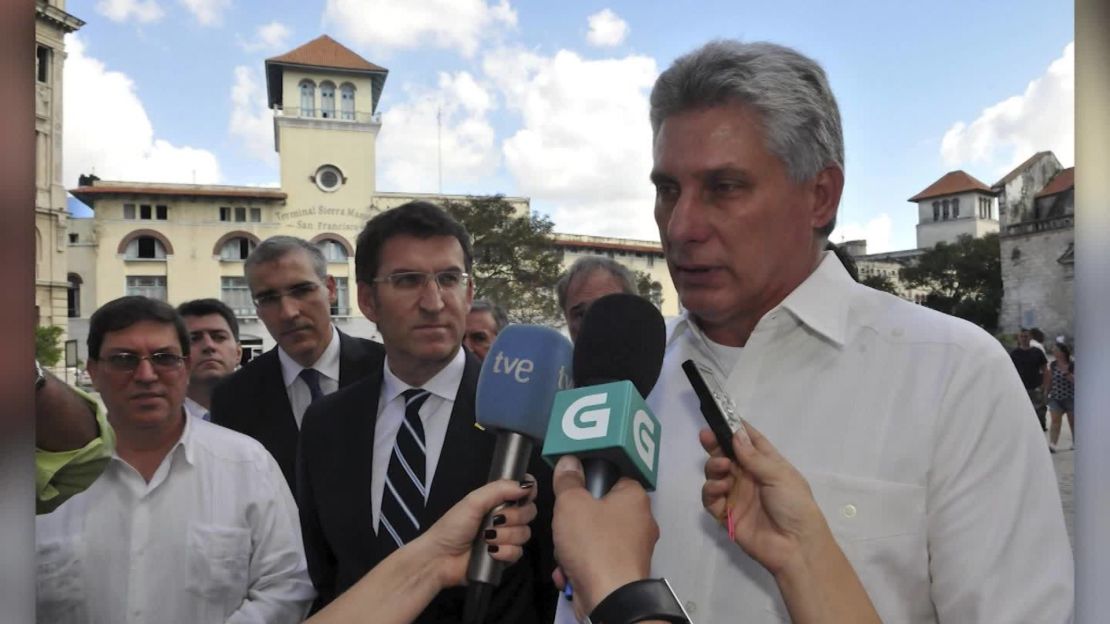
x,y
382,459
484,321
189,522
267,398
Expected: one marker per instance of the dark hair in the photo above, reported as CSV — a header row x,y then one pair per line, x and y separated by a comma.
x,y
500,319
799,114
1037,334
421,219
1063,347
204,307
119,314
277,247
585,266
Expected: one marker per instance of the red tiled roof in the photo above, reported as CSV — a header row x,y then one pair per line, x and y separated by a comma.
x,y
1016,171
951,183
87,194
324,51
1061,182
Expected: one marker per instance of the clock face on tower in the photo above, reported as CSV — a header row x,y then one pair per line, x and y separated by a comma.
x,y
329,178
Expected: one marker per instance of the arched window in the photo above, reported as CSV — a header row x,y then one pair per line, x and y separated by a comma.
x,y
327,100
145,248
936,211
73,296
944,208
308,98
237,248
347,101
333,250
956,208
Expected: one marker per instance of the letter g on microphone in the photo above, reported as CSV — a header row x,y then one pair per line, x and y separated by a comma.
x,y
594,422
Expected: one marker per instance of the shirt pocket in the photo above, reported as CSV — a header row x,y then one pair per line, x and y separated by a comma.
x,y
219,563
60,584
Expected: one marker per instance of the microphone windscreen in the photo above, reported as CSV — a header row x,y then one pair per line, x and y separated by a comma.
x,y
524,368
622,337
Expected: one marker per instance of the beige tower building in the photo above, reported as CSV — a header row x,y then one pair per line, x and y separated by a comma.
x,y
52,23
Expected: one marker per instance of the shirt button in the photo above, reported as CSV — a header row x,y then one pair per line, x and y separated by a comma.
x,y
848,511
691,607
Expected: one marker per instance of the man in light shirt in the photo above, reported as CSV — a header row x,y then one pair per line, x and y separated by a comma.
x,y
910,426
189,522
216,352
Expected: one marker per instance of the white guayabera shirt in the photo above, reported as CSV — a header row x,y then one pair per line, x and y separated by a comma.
x,y
213,537
918,441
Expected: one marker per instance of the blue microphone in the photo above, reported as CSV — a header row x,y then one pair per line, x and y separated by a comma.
x,y
525,367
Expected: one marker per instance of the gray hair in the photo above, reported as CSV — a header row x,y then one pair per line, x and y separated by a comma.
x,y
277,247
500,319
790,91
587,265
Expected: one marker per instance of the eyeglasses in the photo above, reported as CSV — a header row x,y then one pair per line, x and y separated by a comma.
x,y
272,299
415,281
129,362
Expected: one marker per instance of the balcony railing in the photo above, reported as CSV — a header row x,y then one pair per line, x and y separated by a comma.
x,y
349,116
1041,225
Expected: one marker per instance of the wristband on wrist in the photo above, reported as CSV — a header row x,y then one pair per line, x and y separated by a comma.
x,y
638,601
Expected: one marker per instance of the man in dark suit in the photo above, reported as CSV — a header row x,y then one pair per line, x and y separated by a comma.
x,y
382,459
267,398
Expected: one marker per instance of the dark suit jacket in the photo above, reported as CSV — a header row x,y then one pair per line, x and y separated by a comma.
x,y
333,493
252,400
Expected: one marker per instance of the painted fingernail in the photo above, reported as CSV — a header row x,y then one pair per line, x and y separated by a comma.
x,y
499,519
491,533
492,548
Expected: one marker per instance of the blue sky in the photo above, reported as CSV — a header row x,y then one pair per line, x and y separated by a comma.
x,y
549,100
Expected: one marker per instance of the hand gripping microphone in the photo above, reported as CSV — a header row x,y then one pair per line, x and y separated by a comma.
x,y
524,368
604,419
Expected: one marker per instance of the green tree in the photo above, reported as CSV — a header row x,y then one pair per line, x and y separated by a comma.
x,y
516,262
47,350
963,279
880,282
648,288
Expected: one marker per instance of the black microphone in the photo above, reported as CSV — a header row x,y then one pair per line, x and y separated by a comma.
x,y
604,420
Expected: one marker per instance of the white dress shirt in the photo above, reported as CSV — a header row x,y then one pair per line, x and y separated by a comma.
x,y
435,415
213,537
296,388
196,410
914,432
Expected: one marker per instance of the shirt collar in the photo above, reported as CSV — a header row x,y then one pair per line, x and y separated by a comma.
x,y
192,408
185,442
444,384
820,302
327,364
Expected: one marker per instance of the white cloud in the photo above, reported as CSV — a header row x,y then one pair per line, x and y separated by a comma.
x,y
273,36
877,232
108,131
410,144
1005,134
383,25
251,121
584,145
607,29
207,12
142,11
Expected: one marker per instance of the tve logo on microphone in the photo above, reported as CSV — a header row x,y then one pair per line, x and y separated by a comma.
x,y
609,421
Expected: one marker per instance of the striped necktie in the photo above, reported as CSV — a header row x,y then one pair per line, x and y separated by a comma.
x,y
405,492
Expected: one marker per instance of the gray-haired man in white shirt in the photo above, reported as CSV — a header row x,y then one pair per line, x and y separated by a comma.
x,y
190,522
910,426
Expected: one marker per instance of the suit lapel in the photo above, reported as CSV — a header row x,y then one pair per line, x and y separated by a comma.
x,y
276,408
355,359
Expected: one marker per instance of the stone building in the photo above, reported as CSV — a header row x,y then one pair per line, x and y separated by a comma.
x,y
954,205
52,23
637,255
184,241
1037,209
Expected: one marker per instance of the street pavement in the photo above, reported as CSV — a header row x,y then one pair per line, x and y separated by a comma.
x,y
1064,462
